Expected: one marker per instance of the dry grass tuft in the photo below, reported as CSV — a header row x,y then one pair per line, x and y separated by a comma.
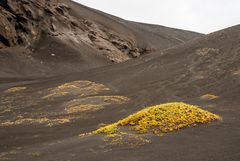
x,y
27,121
82,108
15,89
36,154
82,88
209,97
93,103
130,139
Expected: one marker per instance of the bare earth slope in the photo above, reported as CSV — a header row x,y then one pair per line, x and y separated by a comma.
x,y
57,37
40,121
41,118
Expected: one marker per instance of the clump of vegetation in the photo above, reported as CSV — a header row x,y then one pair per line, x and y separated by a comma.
x,y
81,87
161,119
209,97
129,139
15,89
93,103
82,108
36,154
157,119
28,121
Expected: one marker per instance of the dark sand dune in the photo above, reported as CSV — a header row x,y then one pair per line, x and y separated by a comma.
x,y
38,118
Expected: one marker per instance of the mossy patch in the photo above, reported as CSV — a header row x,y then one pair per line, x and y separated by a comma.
x,y
75,100
209,97
82,108
36,154
15,89
162,118
127,139
159,119
27,121
80,87
93,103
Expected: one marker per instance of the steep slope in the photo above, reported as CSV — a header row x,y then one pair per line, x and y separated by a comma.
x,y
58,37
204,65
144,36
202,72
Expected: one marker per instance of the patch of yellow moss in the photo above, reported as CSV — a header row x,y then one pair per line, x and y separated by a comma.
x,y
27,121
15,89
55,94
108,129
82,108
113,99
80,87
129,139
209,97
161,118
93,103
36,154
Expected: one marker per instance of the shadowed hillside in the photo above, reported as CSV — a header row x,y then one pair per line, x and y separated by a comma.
x,y
57,37
205,64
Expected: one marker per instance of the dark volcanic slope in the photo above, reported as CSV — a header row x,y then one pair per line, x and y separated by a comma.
x,y
40,119
144,36
57,37
208,65
205,64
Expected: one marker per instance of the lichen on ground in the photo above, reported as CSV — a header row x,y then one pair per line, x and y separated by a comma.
x,y
93,103
79,97
209,97
15,89
28,121
159,119
82,108
81,87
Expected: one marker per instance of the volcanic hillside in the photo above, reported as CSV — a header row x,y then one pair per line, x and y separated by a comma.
x,y
62,98
203,72
56,37
209,64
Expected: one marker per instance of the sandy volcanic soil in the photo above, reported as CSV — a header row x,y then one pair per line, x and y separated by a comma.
x,y
47,100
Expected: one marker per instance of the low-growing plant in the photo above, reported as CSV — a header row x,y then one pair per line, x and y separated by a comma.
x,y
209,97
158,120
35,154
15,89
162,118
